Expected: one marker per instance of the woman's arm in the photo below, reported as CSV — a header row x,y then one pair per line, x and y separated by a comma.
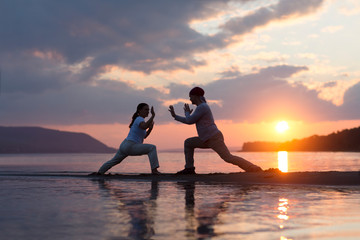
x,y
149,130
148,123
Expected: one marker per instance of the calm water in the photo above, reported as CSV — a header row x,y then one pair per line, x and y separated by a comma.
x,y
47,207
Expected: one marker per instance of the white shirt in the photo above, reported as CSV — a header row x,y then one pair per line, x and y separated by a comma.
x,y
136,133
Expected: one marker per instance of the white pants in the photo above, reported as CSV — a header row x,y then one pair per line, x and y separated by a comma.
x,y
130,148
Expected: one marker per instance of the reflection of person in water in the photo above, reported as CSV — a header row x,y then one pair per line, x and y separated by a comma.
x,y
205,216
209,135
141,210
133,144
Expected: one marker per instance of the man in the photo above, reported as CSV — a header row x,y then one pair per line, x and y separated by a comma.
x,y
209,136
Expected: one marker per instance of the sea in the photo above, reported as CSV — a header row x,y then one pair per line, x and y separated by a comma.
x,y
41,197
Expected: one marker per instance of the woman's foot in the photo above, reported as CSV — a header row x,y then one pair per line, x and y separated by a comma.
x,y
155,172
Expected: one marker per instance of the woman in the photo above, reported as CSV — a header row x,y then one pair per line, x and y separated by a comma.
x,y
133,144
209,136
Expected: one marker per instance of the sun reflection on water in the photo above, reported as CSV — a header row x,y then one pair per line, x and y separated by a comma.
x,y
283,216
283,161
283,207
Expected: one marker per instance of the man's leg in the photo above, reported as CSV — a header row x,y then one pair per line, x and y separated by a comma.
x,y
189,147
218,145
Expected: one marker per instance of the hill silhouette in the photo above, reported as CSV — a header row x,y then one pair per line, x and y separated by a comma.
x,y
347,140
42,140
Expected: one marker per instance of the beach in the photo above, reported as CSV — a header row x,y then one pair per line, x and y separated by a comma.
x,y
88,208
52,196
85,85
270,176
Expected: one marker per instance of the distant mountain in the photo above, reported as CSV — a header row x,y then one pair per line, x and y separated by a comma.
x,y
347,140
42,140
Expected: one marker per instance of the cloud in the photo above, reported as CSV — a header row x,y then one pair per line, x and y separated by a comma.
x,y
103,103
332,29
269,57
53,52
33,72
351,103
329,84
307,56
284,9
350,7
267,95
143,37
146,37
42,42
264,95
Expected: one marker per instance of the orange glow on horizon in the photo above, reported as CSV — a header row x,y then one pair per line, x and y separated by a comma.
x,y
235,133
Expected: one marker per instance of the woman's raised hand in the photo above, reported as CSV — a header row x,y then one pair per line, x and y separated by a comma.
x,y
152,111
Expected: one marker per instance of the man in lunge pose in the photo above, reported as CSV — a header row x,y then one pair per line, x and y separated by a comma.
x,y
209,135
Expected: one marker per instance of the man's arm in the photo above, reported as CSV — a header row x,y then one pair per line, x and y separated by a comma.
x,y
189,118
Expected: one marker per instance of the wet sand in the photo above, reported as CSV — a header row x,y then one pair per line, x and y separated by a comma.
x,y
315,178
275,177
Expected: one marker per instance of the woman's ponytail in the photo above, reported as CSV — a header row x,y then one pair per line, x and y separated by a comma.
x,y
133,119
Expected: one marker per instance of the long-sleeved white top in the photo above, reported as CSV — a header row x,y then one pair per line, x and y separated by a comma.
x,y
204,120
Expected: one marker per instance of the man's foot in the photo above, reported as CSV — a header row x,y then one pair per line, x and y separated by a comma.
x,y
254,169
187,171
155,172
272,170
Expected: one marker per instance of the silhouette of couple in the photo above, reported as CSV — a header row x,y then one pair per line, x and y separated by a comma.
x,y
209,136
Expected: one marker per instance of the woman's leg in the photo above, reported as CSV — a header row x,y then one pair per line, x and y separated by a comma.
x,y
119,156
137,149
218,145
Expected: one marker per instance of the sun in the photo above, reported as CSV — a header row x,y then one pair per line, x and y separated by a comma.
x,y
282,126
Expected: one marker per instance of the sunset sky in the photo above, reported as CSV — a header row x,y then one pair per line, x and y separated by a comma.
x,y
84,65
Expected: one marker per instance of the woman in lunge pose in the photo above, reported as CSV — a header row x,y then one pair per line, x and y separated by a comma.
x,y
133,144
